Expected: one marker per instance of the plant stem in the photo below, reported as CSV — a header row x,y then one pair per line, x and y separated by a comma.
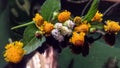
x,y
111,7
87,5
23,25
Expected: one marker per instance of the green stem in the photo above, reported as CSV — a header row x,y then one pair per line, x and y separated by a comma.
x,y
92,11
23,25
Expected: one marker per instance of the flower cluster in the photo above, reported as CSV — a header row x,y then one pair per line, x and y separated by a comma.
x,y
44,26
60,30
76,30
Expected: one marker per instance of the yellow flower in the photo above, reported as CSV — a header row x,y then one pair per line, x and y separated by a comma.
x,y
38,20
112,26
14,52
98,17
63,16
77,20
82,28
47,27
77,39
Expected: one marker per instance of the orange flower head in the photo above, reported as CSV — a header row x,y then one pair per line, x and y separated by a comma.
x,y
77,39
47,27
98,17
112,26
82,28
14,52
38,20
63,16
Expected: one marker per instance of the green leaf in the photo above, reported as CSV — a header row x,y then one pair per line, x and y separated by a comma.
x,y
97,25
49,7
29,33
99,54
92,10
30,41
5,32
117,43
34,44
66,56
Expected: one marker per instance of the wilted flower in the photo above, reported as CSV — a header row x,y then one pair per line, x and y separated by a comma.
x,y
69,23
56,34
65,31
14,52
63,16
77,20
60,38
112,26
58,25
69,32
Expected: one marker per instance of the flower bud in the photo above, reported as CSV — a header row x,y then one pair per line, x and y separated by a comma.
x,y
38,34
92,29
55,13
